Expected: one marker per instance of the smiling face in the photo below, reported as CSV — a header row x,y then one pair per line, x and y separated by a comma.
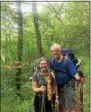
x,y
43,65
56,51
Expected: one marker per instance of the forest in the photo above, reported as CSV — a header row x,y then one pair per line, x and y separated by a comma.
x,y
28,29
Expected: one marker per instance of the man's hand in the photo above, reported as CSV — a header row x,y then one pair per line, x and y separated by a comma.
x,y
79,78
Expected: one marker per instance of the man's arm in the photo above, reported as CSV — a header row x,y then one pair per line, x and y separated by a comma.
x,y
73,71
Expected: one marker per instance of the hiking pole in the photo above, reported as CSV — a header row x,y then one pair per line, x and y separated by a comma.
x,y
43,102
43,99
82,77
81,96
80,84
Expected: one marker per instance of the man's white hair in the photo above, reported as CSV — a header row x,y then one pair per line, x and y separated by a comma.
x,y
55,45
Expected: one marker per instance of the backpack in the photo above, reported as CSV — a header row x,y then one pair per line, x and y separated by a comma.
x,y
70,54
34,68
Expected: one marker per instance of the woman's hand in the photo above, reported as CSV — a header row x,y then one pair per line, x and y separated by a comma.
x,y
56,102
38,89
43,88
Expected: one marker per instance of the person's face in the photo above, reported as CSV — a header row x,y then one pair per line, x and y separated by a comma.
x,y
43,65
56,52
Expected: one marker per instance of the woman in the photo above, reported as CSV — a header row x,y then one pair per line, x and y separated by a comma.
x,y
44,85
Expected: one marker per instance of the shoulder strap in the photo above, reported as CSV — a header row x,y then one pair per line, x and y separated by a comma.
x,y
65,64
37,74
51,63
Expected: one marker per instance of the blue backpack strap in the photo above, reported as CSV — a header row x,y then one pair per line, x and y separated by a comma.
x,y
66,64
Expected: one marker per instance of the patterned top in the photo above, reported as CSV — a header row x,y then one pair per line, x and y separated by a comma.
x,y
48,80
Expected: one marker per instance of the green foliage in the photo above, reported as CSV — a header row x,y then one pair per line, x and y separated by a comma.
x,y
67,24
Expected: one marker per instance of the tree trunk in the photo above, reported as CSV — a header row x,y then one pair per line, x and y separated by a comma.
x,y
6,48
0,38
19,48
37,30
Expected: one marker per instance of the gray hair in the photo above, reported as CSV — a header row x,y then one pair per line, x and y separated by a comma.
x,y
55,45
42,59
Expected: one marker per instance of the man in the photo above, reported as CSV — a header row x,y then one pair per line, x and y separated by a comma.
x,y
64,79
